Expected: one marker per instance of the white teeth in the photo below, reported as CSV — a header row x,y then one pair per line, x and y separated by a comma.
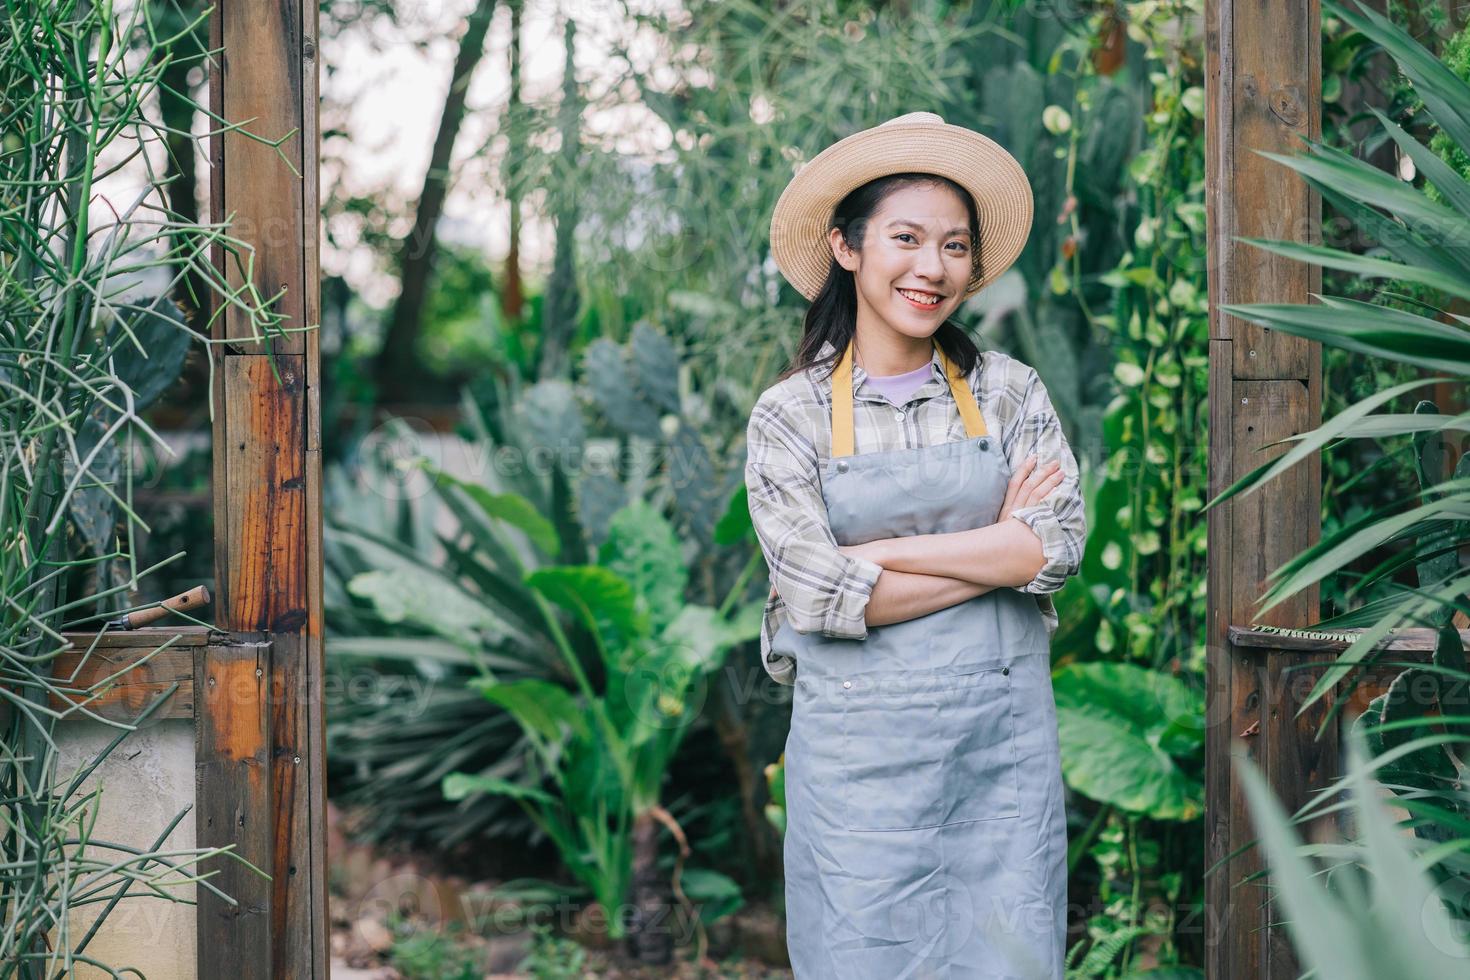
x,y
924,298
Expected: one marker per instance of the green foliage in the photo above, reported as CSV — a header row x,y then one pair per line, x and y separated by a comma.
x,y
775,773
1140,595
553,957
87,341
1132,738
577,630
1418,239
1373,910
606,752
432,954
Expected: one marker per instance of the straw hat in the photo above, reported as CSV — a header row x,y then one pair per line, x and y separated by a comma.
x,y
917,141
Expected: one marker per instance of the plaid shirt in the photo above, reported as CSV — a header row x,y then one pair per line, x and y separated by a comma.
x,y
790,435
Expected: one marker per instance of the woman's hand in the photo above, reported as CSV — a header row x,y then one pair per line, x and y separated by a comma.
x,y
1030,485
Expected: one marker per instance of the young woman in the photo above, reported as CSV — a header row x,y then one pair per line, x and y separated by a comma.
x,y
917,504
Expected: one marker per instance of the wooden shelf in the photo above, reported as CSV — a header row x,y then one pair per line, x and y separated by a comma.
x,y
1420,639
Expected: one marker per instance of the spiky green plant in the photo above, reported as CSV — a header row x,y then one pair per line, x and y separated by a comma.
x,y
597,661
1373,909
89,254
1423,737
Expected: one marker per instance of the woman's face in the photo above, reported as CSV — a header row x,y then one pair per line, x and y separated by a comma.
x,y
916,247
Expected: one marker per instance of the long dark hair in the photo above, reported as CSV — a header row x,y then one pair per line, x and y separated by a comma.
x,y
833,313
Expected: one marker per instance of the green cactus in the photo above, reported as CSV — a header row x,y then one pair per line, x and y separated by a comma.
x,y
621,401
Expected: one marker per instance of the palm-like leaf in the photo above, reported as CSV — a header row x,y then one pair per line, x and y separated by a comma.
x,y
1429,244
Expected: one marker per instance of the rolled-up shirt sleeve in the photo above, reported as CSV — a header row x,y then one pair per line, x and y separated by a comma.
x,y
1060,521
820,588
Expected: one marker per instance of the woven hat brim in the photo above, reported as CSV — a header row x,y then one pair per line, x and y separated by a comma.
x,y
982,166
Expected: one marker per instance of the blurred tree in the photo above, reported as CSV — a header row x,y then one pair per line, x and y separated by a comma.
x,y
398,369
512,294
558,315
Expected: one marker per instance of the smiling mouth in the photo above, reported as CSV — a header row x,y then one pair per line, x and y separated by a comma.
x,y
922,300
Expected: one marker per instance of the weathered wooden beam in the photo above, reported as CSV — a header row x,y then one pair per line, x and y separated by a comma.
x,y
234,807
267,466
97,656
1416,639
1262,92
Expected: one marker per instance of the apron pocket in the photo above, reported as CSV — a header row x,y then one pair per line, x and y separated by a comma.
x,y
928,750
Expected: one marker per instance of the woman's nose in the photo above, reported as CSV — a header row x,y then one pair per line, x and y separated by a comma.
x,y
929,264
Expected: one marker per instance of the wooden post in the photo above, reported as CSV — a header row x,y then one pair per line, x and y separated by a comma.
x,y
1263,90
267,462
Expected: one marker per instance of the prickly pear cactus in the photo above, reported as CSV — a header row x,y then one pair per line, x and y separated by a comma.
x,y
617,395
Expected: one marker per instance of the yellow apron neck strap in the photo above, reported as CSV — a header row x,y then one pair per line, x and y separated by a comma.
x,y
842,436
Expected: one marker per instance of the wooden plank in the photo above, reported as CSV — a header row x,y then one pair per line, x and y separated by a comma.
x,y
233,806
130,693
1264,61
316,722
1407,639
1262,91
261,519
292,861
1271,526
1232,706
95,656
189,634
1275,523
262,90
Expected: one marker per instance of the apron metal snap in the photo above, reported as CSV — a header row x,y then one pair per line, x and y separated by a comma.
x,y
898,415
847,683
984,444
842,467
1005,670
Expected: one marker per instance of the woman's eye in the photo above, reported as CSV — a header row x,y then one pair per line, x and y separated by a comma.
x,y
962,245
903,234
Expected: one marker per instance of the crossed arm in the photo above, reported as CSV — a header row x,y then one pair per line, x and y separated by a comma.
x,y
923,573
842,590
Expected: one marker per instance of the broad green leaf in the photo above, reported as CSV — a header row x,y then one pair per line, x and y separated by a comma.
x,y
540,706
702,635
644,551
598,596
459,785
435,605
1123,731
736,525
717,895
1337,551
1445,94
590,779
1427,162
511,508
1360,180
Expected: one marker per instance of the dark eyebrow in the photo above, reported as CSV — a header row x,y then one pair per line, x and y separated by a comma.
x,y
906,223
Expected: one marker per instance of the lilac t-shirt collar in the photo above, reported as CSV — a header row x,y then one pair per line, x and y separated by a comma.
x,y
899,388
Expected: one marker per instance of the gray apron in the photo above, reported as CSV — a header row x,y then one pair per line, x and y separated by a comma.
x,y
925,833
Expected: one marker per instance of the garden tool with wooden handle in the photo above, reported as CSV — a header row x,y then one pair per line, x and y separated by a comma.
x,y
197,596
